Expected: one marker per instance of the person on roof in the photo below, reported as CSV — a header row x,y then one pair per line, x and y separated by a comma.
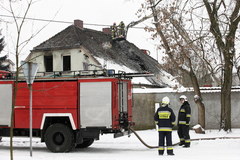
x,y
121,30
184,115
165,118
114,30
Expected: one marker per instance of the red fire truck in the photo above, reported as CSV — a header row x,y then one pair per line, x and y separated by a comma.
x,y
68,112
4,74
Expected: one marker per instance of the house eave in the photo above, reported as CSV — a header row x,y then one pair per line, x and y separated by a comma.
x,y
54,49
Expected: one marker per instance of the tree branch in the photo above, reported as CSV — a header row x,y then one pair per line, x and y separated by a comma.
x,y
153,6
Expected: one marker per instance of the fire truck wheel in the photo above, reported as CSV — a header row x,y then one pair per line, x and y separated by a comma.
x,y
86,143
59,138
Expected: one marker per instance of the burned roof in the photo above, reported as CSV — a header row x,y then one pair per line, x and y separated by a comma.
x,y
120,52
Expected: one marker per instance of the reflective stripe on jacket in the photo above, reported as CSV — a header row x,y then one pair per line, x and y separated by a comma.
x,y
164,118
184,114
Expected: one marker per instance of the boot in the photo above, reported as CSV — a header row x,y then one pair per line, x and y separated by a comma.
x,y
160,152
170,153
181,143
186,146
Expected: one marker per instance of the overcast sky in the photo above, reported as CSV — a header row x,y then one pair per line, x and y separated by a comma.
x,y
103,12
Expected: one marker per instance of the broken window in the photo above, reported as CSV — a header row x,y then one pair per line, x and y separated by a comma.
x,y
48,62
66,63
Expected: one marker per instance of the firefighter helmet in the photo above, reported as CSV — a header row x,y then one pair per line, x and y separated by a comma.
x,y
183,97
165,101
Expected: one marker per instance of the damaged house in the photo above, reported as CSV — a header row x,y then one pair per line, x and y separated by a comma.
x,y
6,64
77,48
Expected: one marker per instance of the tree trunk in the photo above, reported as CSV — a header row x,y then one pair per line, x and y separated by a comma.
x,y
201,113
199,100
13,104
226,97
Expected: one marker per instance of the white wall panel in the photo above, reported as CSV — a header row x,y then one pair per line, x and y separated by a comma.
x,y
5,104
96,104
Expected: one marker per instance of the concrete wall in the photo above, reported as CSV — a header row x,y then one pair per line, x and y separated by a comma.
x,y
144,108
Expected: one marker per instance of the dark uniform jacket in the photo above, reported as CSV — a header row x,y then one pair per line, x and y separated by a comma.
x,y
184,114
165,118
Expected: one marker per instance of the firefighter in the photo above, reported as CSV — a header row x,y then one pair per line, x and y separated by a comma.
x,y
165,118
121,30
184,115
114,30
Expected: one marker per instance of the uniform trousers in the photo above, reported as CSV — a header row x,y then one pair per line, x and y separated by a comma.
x,y
162,136
183,133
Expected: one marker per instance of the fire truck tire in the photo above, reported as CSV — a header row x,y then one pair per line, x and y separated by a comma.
x,y
59,138
86,143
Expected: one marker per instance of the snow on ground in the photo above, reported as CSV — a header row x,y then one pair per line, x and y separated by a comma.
x,y
124,148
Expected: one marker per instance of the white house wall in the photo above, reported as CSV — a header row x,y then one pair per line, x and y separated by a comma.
x,y
57,60
78,56
38,58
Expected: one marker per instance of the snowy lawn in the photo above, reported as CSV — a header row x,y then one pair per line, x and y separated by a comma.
x,y
124,148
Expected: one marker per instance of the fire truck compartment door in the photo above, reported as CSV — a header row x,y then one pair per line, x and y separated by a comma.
x,y
5,104
95,104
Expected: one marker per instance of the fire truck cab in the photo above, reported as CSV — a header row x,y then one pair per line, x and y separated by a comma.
x,y
67,112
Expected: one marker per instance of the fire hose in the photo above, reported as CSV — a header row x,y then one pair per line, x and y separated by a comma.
x,y
175,144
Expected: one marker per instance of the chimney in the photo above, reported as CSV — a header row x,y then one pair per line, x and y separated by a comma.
x,y
78,23
147,52
106,30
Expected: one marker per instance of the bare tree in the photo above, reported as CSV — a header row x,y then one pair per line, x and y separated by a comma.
x,y
18,44
178,45
224,19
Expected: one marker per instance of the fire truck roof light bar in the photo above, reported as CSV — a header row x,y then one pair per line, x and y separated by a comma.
x,y
82,73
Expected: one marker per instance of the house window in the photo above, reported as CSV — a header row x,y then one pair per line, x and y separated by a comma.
x,y
66,63
48,62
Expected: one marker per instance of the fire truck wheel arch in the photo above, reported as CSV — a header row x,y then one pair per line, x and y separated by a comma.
x,y
57,115
59,138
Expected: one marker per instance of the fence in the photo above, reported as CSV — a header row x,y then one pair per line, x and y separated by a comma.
x,y
144,106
